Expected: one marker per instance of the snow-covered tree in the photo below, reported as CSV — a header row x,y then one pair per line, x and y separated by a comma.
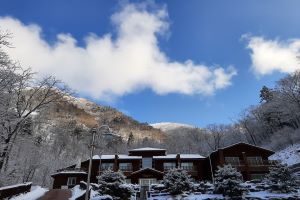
x,y
113,184
177,181
280,179
228,181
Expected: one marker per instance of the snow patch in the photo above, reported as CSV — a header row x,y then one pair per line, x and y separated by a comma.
x,y
168,126
289,155
35,193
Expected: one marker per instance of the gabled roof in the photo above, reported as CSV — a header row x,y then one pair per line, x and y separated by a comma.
x,y
247,144
147,170
148,149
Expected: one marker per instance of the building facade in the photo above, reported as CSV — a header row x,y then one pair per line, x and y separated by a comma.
x,y
145,166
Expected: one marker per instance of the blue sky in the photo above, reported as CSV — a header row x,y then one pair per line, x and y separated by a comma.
x,y
247,43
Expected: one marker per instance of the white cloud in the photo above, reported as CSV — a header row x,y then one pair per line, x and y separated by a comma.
x,y
107,67
269,56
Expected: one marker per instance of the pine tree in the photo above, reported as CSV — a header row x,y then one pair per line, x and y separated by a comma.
x,y
113,184
177,181
228,182
280,179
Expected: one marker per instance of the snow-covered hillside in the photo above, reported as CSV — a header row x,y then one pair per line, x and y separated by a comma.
x,y
289,155
168,126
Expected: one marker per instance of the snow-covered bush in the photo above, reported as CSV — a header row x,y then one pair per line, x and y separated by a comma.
x,y
280,179
177,181
228,182
113,184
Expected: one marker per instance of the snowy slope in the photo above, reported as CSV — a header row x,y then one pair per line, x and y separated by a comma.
x,y
289,155
168,126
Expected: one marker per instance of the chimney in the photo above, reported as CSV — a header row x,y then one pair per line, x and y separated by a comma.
x,y
178,160
116,167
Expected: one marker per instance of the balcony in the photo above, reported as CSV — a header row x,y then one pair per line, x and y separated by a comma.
x,y
263,166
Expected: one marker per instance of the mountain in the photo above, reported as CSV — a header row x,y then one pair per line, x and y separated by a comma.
x,y
169,126
89,114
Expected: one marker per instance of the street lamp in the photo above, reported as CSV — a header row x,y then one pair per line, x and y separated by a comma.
x,y
92,146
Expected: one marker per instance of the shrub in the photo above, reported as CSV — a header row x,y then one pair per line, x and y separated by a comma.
x,y
177,181
113,184
228,181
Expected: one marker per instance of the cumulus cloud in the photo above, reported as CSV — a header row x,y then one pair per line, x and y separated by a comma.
x,y
107,66
269,56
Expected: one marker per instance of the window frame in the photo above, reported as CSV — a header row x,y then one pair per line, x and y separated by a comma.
x,y
255,160
166,168
188,167
126,169
232,160
111,167
71,181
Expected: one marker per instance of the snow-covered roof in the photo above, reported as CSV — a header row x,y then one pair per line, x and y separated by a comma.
x,y
129,157
69,172
111,157
244,144
187,156
169,156
14,186
148,149
182,156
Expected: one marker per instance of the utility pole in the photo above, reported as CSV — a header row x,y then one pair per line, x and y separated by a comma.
x,y
90,165
92,146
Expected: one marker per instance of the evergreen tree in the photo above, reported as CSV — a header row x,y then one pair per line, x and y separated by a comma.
x,y
280,179
177,181
228,182
113,184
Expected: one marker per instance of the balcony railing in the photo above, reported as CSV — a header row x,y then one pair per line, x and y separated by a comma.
x,y
263,163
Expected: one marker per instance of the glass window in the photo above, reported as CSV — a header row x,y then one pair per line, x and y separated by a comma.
x,y
255,160
234,161
71,181
125,166
147,162
147,181
189,166
169,165
107,166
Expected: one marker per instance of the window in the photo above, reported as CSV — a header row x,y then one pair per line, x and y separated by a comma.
x,y
147,162
147,181
71,181
255,160
125,167
169,165
107,166
189,166
234,161
257,176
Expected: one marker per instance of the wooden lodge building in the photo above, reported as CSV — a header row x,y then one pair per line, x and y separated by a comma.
x,y
145,166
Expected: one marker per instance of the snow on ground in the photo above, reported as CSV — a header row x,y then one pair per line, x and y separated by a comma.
x,y
76,192
168,126
261,195
35,193
289,155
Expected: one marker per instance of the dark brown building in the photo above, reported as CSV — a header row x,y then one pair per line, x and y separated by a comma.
x,y
252,161
148,165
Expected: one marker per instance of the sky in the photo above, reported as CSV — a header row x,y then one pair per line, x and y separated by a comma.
x,y
193,62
